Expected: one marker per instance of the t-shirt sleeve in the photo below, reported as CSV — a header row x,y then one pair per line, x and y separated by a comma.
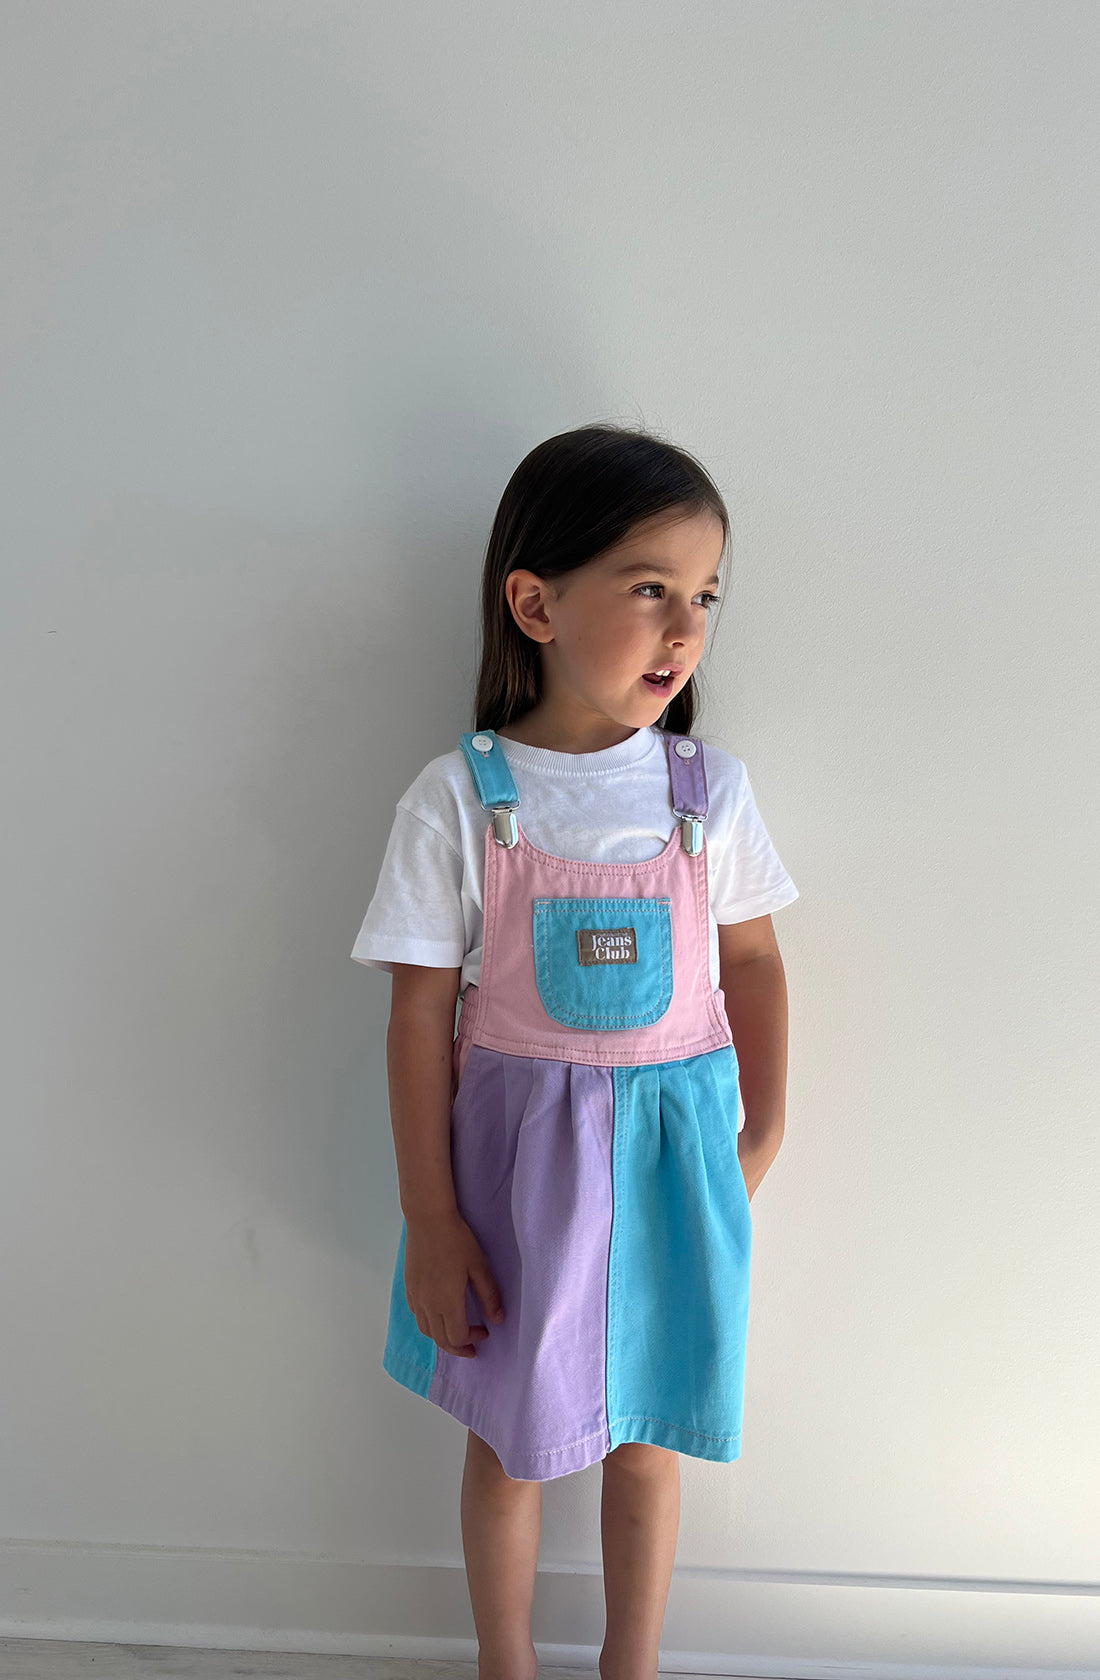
x,y
416,914
746,876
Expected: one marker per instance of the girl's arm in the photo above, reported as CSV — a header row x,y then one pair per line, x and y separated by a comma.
x,y
419,1059
754,985
442,1254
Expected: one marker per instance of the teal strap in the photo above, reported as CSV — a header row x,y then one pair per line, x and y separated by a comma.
x,y
492,776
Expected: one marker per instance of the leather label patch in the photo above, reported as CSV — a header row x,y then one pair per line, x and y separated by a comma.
x,y
606,945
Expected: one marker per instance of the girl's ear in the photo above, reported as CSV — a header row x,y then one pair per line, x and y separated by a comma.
x,y
525,594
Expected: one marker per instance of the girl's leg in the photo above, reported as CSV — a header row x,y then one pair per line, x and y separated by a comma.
x,y
640,1520
501,1528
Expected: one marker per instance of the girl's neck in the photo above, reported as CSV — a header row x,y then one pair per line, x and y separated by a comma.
x,y
537,733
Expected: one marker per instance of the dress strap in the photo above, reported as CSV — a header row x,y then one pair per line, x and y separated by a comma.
x,y
493,779
690,800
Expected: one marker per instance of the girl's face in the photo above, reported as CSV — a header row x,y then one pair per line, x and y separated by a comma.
x,y
641,607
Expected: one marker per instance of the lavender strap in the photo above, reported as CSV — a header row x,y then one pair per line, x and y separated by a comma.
x,y
689,778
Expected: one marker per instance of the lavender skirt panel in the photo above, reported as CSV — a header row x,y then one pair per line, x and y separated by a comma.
x,y
531,1158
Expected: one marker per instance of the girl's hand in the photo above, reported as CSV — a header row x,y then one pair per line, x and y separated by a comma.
x,y
441,1256
756,1155
750,1186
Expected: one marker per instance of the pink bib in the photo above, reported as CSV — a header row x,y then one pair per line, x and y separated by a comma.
x,y
604,963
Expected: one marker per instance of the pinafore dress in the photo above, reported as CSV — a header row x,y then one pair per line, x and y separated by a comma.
x,y
594,1153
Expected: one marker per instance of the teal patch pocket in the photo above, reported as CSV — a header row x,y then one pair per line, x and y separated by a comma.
x,y
604,963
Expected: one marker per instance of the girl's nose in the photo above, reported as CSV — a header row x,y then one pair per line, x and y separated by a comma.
x,y
682,633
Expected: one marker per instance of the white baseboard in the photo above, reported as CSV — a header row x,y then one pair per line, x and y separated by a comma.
x,y
771,1625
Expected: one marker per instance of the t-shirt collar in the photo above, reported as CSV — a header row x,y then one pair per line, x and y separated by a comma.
x,y
546,762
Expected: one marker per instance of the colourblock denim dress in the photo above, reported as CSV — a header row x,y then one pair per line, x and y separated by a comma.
x,y
594,1122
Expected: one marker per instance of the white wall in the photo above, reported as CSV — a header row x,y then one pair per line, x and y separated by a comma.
x,y
289,290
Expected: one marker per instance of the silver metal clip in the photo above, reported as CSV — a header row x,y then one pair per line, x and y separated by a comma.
x,y
505,831
691,832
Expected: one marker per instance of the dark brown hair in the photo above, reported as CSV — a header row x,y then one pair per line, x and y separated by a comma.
x,y
569,501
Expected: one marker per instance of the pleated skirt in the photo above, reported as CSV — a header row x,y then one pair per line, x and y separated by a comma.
x,y
612,1210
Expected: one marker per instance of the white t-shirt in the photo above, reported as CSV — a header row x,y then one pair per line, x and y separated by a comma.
x,y
612,806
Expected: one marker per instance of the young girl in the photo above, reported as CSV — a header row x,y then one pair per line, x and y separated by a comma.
x,y
572,1278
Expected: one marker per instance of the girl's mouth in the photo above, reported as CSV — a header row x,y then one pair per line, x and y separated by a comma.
x,y
658,683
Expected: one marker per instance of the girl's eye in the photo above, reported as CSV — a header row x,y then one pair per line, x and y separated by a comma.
x,y
710,597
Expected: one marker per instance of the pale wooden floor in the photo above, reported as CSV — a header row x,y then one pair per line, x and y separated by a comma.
x,y
63,1659
66,1659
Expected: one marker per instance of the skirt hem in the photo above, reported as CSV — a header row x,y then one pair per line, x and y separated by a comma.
x,y
577,1455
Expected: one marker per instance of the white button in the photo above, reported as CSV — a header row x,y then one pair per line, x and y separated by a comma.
x,y
484,743
686,749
